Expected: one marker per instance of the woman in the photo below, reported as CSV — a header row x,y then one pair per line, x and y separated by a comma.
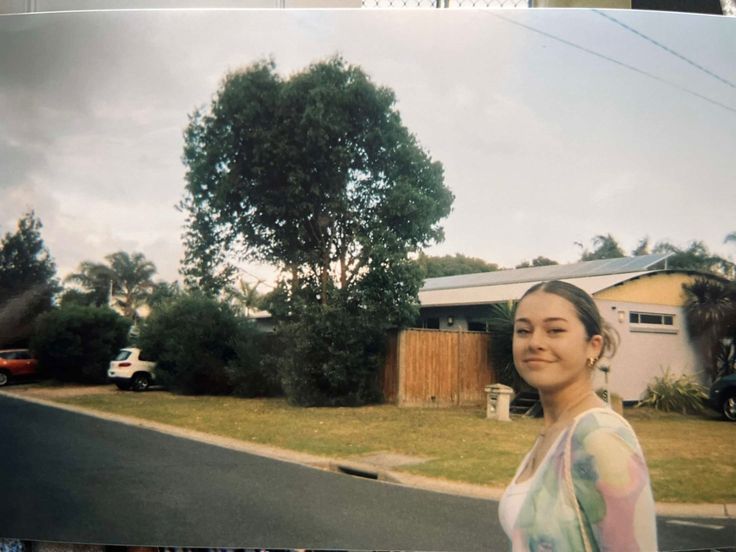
x,y
584,485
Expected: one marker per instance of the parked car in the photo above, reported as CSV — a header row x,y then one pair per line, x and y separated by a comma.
x,y
723,396
16,363
130,369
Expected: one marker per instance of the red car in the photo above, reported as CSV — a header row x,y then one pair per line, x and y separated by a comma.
x,y
16,362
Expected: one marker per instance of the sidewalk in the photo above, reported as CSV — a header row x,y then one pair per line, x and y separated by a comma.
x,y
376,466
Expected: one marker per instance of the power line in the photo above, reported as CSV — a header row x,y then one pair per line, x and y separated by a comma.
x,y
615,61
665,48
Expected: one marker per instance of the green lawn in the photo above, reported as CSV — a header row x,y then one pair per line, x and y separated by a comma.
x,y
691,459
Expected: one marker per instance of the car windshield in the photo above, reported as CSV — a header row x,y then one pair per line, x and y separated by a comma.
x,y
122,355
5,354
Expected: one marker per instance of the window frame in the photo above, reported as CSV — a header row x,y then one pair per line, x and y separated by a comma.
x,y
653,327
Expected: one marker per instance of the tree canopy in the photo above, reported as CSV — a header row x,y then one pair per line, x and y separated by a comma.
x,y
695,256
606,247
451,265
27,279
314,174
537,261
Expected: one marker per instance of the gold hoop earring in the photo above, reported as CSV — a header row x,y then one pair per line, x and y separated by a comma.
x,y
590,363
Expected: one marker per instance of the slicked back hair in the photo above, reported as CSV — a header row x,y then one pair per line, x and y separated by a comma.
x,y
586,310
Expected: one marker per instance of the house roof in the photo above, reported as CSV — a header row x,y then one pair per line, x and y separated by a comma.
x,y
621,265
506,285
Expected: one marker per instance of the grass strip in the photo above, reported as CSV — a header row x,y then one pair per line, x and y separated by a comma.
x,y
691,458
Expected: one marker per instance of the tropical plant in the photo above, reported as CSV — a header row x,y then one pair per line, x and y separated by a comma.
x,y
244,296
501,326
710,317
670,393
124,282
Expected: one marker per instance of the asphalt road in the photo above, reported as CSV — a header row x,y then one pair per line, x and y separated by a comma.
x,y
74,478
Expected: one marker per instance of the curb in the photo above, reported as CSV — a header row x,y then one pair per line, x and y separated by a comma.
x,y
355,468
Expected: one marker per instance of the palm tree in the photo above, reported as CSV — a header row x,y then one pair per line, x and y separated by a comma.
x,y
245,295
501,325
125,281
95,279
710,316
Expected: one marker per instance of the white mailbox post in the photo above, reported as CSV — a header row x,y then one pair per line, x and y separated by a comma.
x,y
499,400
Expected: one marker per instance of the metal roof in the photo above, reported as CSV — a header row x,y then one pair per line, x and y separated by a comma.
x,y
479,295
621,265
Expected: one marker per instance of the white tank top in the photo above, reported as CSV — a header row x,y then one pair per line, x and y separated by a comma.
x,y
515,494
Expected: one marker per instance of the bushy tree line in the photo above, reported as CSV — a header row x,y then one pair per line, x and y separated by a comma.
x,y
694,256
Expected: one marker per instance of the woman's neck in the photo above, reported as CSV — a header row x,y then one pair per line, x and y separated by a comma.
x,y
565,404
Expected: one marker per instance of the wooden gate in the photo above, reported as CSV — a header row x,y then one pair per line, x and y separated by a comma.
x,y
437,368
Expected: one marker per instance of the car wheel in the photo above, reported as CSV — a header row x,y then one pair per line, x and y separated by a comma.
x,y
728,408
140,382
123,386
3,378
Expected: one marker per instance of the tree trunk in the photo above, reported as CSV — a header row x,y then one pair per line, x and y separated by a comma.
x,y
343,271
325,274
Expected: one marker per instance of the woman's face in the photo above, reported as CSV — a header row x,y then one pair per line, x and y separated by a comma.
x,y
551,346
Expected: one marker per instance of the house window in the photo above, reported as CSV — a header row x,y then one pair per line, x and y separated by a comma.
x,y
652,322
476,326
431,323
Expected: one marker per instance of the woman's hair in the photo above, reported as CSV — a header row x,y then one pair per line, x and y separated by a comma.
x,y
586,309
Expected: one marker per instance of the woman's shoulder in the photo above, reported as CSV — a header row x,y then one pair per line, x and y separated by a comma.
x,y
603,423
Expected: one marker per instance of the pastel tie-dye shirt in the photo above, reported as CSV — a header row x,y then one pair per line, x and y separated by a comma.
x,y
605,466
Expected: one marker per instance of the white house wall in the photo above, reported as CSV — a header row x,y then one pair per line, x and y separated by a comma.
x,y
643,355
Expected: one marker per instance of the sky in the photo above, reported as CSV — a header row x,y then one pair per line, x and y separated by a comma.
x,y
553,126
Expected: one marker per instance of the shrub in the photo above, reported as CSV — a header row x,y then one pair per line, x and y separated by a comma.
x,y
202,347
76,343
675,394
248,374
331,356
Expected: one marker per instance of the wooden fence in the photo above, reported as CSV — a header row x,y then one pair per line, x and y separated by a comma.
x,y
437,368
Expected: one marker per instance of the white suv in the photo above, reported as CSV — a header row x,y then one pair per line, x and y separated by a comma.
x,y
131,370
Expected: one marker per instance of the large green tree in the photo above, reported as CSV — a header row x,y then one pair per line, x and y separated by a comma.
x,y
451,265
126,280
27,280
317,175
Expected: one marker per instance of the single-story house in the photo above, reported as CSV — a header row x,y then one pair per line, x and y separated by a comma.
x,y
639,297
